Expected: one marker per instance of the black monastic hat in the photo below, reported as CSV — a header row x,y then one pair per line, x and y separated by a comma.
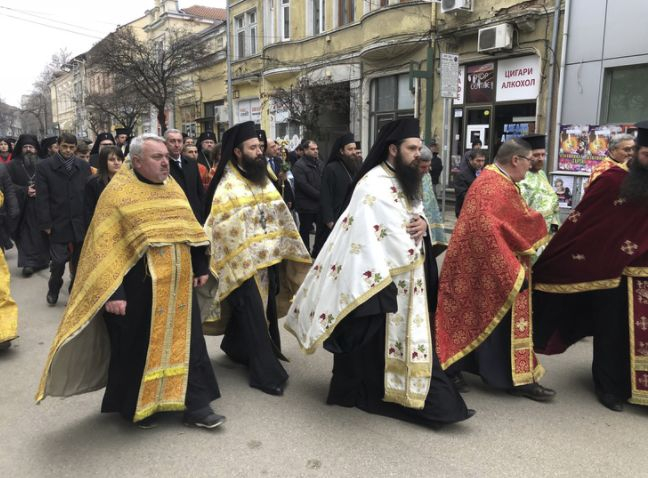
x,y
126,131
231,139
340,143
536,141
101,137
23,140
45,144
642,134
261,134
390,133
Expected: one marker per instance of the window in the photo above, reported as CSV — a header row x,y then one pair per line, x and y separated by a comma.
x,y
346,11
318,7
390,99
285,19
246,32
625,97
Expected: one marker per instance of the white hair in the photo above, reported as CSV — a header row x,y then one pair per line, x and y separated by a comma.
x,y
138,141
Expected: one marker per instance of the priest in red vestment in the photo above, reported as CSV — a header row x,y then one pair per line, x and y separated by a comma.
x,y
483,318
593,280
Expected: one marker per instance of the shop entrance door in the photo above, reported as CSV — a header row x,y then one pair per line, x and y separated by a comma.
x,y
478,127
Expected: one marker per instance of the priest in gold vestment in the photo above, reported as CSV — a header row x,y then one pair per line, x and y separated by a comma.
x,y
255,251
132,323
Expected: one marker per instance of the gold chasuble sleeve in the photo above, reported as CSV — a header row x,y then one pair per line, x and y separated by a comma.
x,y
251,229
368,249
485,267
132,219
8,307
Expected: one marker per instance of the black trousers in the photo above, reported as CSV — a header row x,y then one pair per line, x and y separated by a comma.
x,y
306,221
60,254
250,339
492,359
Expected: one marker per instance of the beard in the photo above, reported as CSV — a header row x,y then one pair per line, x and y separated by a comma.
x,y
29,158
351,163
409,177
635,185
255,169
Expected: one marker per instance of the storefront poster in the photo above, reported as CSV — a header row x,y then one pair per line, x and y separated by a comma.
x,y
564,187
583,146
518,78
480,83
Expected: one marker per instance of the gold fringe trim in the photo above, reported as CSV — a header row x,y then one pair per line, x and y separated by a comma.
x,y
578,287
157,408
494,322
636,271
412,401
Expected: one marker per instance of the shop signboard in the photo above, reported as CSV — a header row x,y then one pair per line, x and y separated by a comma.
x,y
518,78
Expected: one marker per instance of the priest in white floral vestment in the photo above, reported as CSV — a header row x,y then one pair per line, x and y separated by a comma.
x,y
371,294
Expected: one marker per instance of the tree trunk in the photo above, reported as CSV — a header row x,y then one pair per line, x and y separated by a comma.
x,y
161,117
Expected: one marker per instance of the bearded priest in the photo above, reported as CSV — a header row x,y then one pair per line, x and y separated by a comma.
x,y
593,280
253,236
484,315
370,296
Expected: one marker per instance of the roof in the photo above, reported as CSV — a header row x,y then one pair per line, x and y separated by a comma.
x,y
206,12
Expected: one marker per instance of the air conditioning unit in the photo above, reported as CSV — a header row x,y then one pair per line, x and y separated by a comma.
x,y
495,38
456,6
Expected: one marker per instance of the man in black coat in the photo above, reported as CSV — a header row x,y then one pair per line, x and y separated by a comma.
x,y
185,172
436,167
338,174
9,212
31,241
308,178
60,182
468,172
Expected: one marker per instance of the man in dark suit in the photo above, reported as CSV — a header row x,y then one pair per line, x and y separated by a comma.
x,y
185,172
60,182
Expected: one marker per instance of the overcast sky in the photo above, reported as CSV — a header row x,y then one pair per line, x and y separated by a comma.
x,y
33,30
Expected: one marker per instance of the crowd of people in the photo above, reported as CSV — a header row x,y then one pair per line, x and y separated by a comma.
x,y
168,239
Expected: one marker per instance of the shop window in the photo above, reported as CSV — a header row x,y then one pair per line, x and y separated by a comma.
x,y
625,97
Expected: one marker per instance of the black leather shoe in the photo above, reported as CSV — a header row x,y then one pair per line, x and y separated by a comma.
x,y
471,413
271,390
459,383
52,298
610,401
27,271
534,391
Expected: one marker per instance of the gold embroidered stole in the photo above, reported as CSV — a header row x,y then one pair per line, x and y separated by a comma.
x,y
638,322
164,382
525,367
8,307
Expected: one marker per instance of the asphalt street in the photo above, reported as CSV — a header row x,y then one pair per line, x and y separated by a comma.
x,y
298,435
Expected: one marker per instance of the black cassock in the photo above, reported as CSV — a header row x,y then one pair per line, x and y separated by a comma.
x,y
560,320
252,334
32,242
336,180
358,345
129,339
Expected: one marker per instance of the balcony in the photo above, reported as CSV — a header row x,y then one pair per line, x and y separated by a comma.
x,y
380,35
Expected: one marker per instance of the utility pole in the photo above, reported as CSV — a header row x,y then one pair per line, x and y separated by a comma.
x,y
428,76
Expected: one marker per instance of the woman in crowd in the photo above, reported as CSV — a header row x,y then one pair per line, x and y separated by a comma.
x,y
109,162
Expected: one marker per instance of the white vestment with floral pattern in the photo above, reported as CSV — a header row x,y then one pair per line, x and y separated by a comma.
x,y
368,249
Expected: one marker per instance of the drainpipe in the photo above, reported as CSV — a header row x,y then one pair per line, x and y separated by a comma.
x,y
550,87
561,82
